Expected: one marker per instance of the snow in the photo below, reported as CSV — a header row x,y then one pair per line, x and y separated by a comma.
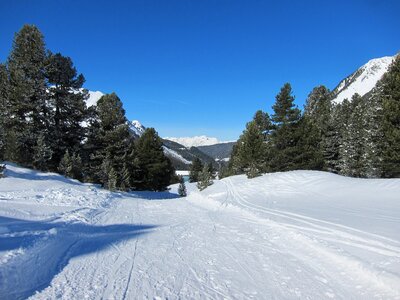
x,y
175,154
371,72
93,98
137,127
194,141
289,235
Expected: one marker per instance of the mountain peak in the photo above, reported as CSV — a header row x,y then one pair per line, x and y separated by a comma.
x,y
363,80
194,141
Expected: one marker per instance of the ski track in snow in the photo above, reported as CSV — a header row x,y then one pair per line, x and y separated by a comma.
x,y
293,235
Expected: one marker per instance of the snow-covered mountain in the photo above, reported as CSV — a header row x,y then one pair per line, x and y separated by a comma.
x,y
195,141
136,127
94,96
363,80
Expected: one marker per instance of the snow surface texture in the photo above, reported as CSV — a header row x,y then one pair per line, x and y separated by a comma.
x,y
93,98
291,235
364,79
194,141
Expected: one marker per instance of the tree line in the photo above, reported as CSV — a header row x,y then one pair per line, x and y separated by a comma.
x,y
359,137
45,124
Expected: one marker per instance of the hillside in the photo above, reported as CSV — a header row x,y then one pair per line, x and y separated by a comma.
x,y
289,235
362,80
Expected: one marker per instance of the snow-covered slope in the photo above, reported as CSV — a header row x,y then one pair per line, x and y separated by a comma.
x,y
363,80
137,127
194,141
291,235
93,98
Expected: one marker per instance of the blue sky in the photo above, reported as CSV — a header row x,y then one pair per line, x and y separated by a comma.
x,y
204,67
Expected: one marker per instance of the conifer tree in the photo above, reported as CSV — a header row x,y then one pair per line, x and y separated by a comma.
x,y
284,137
195,169
109,140
27,95
156,169
67,102
390,96
252,152
42,153
205,179
71,165
4,86
212,170
182,187
344,159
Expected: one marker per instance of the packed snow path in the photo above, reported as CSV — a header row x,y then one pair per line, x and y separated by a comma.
x,y
293,235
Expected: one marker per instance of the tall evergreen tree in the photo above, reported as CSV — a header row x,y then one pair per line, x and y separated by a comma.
x,y
68,108
284,138
195,169
108,140
252,151
156,170
205,179
390,96
4,87
28,112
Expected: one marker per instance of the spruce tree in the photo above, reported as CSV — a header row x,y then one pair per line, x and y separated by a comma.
x,y
108,141
252,151
205,179
195,169
390,96
71,165
284,137
4,87
42,153
67,102
182,187
28,111
156,170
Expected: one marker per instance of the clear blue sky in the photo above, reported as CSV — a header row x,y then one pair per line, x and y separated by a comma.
x,y
204,67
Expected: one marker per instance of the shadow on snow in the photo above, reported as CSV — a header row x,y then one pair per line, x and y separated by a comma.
x,y
51,246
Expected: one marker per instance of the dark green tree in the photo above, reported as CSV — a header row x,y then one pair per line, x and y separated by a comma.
x,y
109,140
42,153
284,138
205,179
155,169
182,187
4,87
390,96
252,151
67,102
28,111
195,169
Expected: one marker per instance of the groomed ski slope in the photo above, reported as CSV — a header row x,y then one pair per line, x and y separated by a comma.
x,y
292,235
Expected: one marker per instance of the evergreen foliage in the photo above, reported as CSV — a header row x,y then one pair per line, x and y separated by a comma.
x,y
182,187
67,105
390,97
71,165
195,170
2,169
205,179
27,111
155,169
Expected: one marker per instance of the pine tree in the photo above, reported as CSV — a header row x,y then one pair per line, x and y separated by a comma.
x,y
4,87
205,179
2,169
67,102
71,165
390,96
156,170
284,148
195,169
27,96
182,187
252,151
212,170
344,159
332,141
109,139
42,153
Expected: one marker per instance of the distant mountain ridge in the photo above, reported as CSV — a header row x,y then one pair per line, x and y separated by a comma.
x,y
195,141
363,80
